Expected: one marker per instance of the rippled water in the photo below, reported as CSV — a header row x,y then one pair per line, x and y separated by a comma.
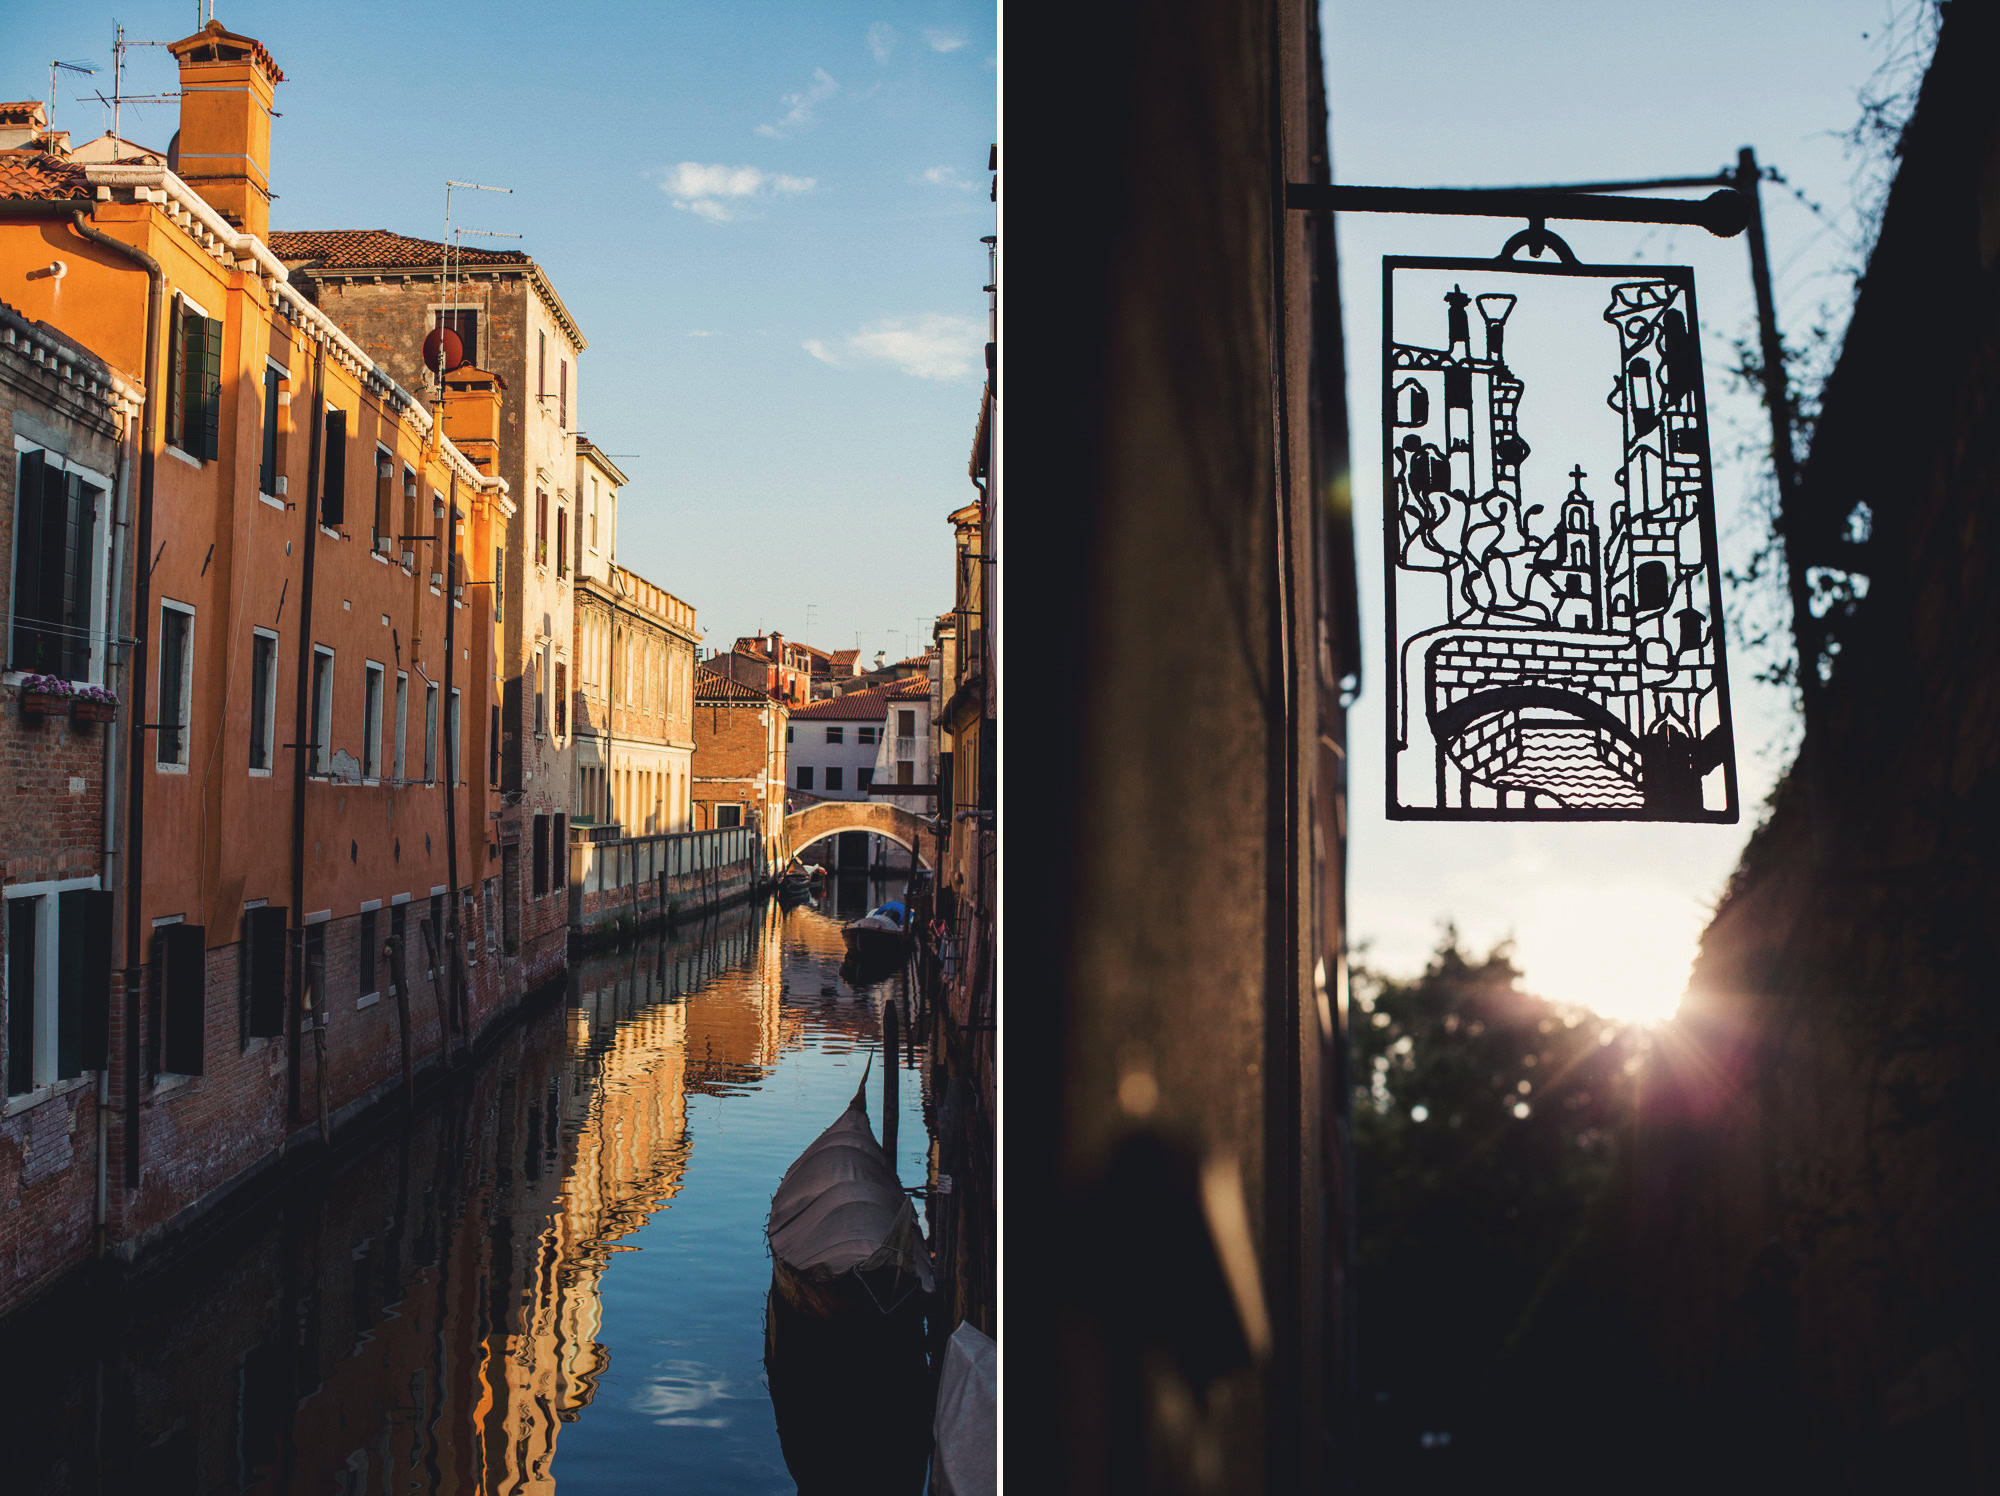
x,y
553,1274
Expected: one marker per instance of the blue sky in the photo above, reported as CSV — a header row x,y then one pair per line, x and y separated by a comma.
x,y
1459,93
711,189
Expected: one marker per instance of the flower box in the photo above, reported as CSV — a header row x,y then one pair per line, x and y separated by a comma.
x,y
43,704
87,710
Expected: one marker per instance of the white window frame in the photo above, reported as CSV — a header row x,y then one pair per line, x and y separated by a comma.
x,y
322,761
372,672
270,724
180,766
284,373
430,731
383,457
402,723
47,996
100,561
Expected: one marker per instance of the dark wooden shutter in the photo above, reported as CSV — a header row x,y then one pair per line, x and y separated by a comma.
x,y
177,325
21,954
77,555
211,387
559,855
267,470
264,971
510,737
333,494
52,544
83,1016
180,952
26,650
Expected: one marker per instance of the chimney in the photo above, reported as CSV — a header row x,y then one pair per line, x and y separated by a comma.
x,y
227,83
472,416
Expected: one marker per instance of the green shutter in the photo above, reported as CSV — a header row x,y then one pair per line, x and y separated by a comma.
x,y
21,955
181,952
23,648
80,508
83,982
211,387
333,461
177,327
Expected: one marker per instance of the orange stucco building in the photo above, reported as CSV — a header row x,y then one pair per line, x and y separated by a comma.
x,y
301,586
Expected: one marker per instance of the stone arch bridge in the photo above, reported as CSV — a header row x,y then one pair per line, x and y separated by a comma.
x,y
831,817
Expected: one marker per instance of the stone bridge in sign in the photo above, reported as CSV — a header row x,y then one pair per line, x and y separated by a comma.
x,y
828,818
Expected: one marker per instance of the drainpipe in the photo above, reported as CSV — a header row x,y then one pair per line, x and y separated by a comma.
x,y
156,296
449,960
302,746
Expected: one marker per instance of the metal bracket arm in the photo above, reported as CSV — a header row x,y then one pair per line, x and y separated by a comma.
x,y
1723,212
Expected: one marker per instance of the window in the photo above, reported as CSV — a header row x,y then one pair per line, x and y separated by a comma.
x,y
499,583
541,855
180,998
430,733
438,532
510,898
402,724
364,963
333,462
267,471
463,320
176,683
451,739
864,780
728,815
593,516
194,381
385,475
263,972
906,771
489,894
906,724
788,733
493,750
562,396
322,710
371,721
541,528
834,777
263,697
579,532
562,699
55,555
559,855
865,734
834,734
562,541
805,777
58,977
541,692
1653,586
409,529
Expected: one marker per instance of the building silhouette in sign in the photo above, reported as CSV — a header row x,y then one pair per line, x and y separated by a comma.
x,y
1571,665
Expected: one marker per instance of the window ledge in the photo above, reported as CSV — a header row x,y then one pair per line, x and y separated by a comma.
x,y
331,533
381,556
260,773
274,503
191,460
30,1099
170,768
164,1083
367,1002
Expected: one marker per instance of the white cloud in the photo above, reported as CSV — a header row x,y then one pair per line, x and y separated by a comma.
x,y
881,40
718,193
702,332
802,104
946,176
943,41
934,346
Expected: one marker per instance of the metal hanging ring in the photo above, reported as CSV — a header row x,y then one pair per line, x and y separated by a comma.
x,y
1535,238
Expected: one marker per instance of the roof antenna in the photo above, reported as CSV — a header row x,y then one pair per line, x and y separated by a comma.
x,y
62,67
448,289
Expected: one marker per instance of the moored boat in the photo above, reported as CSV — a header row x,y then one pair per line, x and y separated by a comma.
x,y
882,933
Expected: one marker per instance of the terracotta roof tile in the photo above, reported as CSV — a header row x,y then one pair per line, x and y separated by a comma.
x,y
846,656
917,688
871,705
713,685
37,174
362,249
21,112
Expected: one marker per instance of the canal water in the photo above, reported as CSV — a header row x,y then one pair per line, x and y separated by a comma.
x,y
553,1275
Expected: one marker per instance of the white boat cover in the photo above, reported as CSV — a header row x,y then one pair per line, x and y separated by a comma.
x,y
963,1463
840,1208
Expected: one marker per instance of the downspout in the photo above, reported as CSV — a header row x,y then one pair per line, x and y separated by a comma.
x,y
135,819
302,747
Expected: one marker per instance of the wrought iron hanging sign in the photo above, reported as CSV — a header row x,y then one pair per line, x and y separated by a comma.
x,y
1554,610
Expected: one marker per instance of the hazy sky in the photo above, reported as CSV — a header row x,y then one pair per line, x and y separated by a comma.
x,y
764,217
1460,93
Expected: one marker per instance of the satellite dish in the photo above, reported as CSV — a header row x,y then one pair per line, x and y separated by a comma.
x,y
454,350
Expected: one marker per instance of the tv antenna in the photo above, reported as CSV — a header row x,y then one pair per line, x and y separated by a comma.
x,y
56,67
812,618
454,248
119,98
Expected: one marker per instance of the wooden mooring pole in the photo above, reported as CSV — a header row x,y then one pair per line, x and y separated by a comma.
x,y
892,1061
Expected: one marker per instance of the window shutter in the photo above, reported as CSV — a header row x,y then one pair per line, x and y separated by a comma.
x,y
333,497
211,386
180,953
77,557
52,652
84,1018
177,324
264,967
25,651
510,737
